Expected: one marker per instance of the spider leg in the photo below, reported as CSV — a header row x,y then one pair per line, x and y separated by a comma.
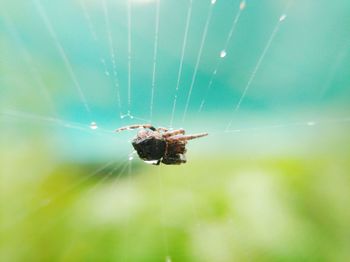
x,y
186,137
173,133
135,127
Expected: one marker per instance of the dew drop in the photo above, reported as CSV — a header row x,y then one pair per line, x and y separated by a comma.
x,y
223,53
151,162
213,2
167,259
283,17
93,125
242,5
131,158
311,123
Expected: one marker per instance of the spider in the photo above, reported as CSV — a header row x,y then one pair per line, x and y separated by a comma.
x,y
156,145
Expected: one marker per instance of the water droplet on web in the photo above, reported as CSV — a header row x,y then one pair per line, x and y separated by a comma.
x,y
213,2
151,162
131,155
93,125
283,17
242,5
106,73
223,53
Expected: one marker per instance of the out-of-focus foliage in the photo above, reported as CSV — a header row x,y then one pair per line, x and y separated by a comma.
x,y
275,187
225,208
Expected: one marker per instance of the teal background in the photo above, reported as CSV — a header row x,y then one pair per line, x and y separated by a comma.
x,y
274,187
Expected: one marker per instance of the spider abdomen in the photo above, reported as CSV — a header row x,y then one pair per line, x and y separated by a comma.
x,y
160,145
150,148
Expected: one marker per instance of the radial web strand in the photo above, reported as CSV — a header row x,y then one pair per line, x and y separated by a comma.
x,y
204,36
223,53
257,66
188,20
112,54
162,218
32,68
155,52
62,193
95,38
57,121
309,123
88,19
63,54
50,224
129,55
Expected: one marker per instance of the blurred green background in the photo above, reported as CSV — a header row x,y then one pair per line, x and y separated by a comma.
x,y
270,182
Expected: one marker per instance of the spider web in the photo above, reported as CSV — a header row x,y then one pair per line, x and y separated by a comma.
x,y
75,71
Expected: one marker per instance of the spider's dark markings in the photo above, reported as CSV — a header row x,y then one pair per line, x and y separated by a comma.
x,y
160,144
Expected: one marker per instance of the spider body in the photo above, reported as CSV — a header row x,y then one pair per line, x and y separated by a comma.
x,y
159,145
150,148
